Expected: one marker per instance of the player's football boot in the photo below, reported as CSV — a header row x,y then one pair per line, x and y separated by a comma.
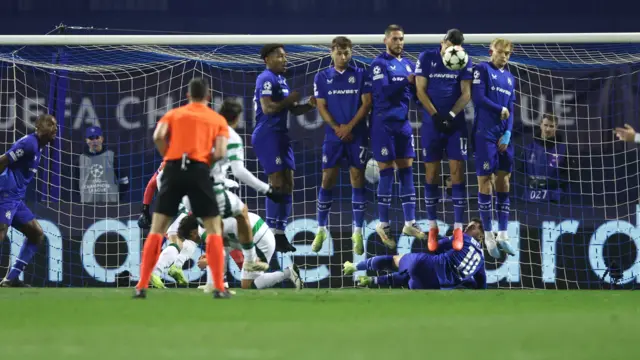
x,y
385,235
177,275
156,282
432,242
364,281
321,236
458,239
140,294
349,268
492,246
13,283
217,294
504,244
294,276
358,243
414,231
255,266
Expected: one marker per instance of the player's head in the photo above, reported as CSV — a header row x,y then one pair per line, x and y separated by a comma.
x,y
500,52
452,38
274,57
341,48
188,228
231,111
548,126
394,39
46,128
199,90
475,229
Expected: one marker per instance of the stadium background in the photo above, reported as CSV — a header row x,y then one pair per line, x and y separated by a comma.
x,y
607,101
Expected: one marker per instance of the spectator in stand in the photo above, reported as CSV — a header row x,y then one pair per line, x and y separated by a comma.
x,y
99,179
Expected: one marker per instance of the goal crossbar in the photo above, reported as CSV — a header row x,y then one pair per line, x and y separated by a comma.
x,y
87,40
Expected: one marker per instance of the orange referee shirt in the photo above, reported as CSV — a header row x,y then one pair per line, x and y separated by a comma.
x,y
193,129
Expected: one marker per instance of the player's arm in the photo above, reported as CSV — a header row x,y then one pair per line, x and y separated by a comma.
x,y
303,108
363,110
421,84
479,91
150,190
236,157
4,162
320,93
221,142
20,149
265,88
161,132
466,75
506,137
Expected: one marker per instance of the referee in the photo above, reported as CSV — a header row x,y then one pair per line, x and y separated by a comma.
x,y
185,137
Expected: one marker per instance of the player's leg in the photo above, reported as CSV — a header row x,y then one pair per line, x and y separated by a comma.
x,y
266,246
486,163
169,255
382,146
376,263
245,237
457,154
432,150
289,167
395,279
405,153
503,175
26,223
331,156
357,157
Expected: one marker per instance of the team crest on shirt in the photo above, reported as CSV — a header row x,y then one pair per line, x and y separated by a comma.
x,y
408,68
352,79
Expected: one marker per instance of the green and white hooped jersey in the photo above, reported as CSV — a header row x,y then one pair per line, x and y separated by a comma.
x,y
235,152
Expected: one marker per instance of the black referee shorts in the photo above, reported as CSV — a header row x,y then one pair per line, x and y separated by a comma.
x,y
191,180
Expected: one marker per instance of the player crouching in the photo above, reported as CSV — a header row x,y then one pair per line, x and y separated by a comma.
x,y
265,245
447,269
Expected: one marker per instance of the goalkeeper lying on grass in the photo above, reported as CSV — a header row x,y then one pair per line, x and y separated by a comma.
x,y
446,269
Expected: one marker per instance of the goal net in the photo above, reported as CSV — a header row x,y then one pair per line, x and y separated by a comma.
x,y
580,232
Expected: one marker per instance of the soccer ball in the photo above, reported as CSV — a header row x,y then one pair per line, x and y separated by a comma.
x,y
372,172
455,58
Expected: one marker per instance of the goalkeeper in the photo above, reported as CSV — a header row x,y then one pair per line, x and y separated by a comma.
x,y
447,269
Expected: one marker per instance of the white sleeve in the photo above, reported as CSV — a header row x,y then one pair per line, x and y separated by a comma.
x,y
241,173
637,138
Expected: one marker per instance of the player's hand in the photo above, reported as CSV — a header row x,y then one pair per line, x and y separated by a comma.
x,y
275,195
504,115
144,221
312,101
411,78
627,133
344,132
504,141
294,96
443,122
202,262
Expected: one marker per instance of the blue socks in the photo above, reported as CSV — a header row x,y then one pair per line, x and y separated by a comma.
x,y
484,208
394,279
431,200
503,207
27,251
284,212
325,198
459,198
271,213
385,187
407,194
377,263
359,204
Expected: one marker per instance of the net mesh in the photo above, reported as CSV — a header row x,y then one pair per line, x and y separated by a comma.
x,y
575,241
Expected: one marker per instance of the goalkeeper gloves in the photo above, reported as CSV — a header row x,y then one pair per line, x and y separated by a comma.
x,y
444,123
144,221
506,138
275,195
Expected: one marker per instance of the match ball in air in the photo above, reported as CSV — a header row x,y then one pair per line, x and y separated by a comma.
x,y
372,172
455,58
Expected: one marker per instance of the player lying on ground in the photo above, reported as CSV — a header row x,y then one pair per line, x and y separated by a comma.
x,y
265,247
229,203
447,269
270,138
494,93
343,96
392,135
18,167
443,94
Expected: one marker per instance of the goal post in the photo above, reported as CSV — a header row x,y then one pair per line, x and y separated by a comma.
x,y
576,237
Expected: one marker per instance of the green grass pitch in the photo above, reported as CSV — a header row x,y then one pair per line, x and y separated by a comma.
x,y
348,324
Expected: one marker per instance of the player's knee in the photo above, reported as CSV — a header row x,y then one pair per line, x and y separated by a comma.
x,y
4,228
34,232
276,179
484,184
404,163
385,165
432,172
502,181
457,173
329,178
357,177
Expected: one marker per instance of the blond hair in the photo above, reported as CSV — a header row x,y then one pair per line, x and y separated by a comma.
x,y
502,42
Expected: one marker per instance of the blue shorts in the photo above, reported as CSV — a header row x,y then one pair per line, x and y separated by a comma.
x,y
273,150
355,152
392,141
422,269
15,213
489,160
435,144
